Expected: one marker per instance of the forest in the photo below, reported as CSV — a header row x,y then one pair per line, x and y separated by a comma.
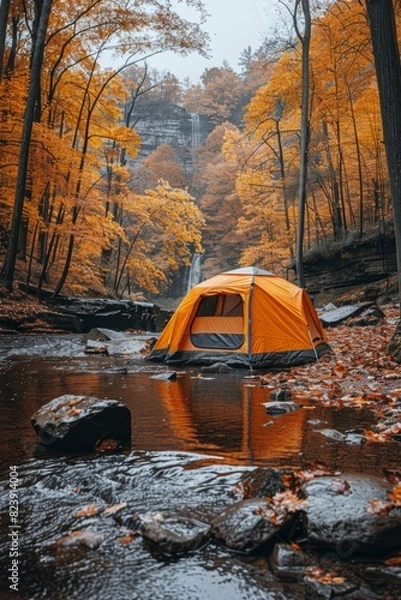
x,y
89,216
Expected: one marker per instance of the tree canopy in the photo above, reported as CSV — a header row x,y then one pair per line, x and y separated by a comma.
x,y
94,221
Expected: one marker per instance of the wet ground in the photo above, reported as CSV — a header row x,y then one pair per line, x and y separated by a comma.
x,y
192,439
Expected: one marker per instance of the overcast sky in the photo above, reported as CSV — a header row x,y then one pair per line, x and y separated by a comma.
x,y
233,25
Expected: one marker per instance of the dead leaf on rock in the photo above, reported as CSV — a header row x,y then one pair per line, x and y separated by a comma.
x,y
128,538
395,495
111,510
73,412
393,476
394,561
372,436
87,511
242,490
340,486
327,577
379,507
81,537
295,546
315,470
108,445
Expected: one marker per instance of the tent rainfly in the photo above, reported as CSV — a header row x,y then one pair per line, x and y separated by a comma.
x,y
247,317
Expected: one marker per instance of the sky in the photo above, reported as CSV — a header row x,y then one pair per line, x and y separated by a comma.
x,y
233,25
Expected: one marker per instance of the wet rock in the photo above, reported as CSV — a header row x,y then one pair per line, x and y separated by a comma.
x,y
245,526
333,434
95,347
331,318
340,517
119,344
175,534
109,313
262,482
63,322
320,590
217,367
288,564
380,574
88,538
372,316
281,394
280,408
77,423
166,376
101,334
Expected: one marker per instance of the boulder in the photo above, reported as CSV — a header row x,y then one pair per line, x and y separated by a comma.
x,y
281,394
246,525
109,313
331,318
79,423
352,514
281,408
288,563
101,334
166,376
262,482
175,534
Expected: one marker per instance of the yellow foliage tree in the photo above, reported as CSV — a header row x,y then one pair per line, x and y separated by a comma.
x,y
75,178
347,190
163,228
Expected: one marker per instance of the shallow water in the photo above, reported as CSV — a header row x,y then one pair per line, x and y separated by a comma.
x,y
217,414
192,439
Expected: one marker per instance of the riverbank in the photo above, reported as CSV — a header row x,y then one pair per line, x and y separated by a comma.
x,y
22,313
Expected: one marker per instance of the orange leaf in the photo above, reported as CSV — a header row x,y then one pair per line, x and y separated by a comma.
x,y
395,495
87,511
128,538
110,510
378,507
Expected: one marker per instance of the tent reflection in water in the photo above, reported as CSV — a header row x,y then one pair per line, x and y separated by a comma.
x,y
247,317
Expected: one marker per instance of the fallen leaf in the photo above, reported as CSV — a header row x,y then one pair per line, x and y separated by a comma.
x,y
87,511
295,546
340,486
81,537
394,560
73,412
378,507
106,445
328,577
395,495
111,510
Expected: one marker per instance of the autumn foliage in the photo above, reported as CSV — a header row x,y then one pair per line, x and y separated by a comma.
x,y
95,222
82,218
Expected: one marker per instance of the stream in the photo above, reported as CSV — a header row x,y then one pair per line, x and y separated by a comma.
x,y
192,440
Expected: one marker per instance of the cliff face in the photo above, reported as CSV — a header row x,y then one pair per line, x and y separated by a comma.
x,y
164,123
358,264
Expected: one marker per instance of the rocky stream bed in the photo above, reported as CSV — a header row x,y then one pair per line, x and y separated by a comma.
x,y
217,496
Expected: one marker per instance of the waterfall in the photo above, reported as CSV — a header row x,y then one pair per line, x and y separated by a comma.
x,y
194,274
195,132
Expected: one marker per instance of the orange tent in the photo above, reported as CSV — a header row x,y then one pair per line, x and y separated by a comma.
x,y
246,317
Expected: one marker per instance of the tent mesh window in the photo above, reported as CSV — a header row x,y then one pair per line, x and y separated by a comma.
x,y
219,322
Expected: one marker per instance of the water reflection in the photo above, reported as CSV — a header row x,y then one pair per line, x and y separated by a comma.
x,y
220,414
225,414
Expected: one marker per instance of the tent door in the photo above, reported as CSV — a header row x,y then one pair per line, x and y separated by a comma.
x,y
219,322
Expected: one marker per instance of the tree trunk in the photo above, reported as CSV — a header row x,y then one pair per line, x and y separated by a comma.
x,y
4,10
388,71
34,87
305,40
